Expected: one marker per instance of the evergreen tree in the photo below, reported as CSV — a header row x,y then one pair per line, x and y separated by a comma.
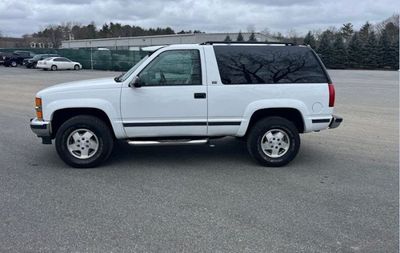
x,y
325,49
395,47
252,37
227,39
354,51
383,46
310,40
240,37
347,31
392,30
364,32
104,31
91,30
339,52
370,54
388,51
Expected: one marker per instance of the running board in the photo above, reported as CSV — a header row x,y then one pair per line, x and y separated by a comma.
x,y
167,142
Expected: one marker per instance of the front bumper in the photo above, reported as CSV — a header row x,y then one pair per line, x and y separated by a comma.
x,y
335,122
41,128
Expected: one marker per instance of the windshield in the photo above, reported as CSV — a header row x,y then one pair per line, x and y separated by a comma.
x,y
125,75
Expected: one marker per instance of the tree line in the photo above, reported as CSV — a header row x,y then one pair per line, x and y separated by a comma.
x,y
71,31
371,47
56,33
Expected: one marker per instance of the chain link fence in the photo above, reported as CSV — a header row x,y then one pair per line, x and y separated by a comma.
x,y
117,60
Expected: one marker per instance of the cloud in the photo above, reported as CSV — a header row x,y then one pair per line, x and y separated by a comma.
x,y
22,17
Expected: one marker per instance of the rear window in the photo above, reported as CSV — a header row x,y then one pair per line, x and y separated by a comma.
x,y
268,65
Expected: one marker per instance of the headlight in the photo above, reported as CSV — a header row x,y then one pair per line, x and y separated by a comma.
x,y
38,108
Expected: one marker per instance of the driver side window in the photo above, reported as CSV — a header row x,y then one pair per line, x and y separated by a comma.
x,y
175,67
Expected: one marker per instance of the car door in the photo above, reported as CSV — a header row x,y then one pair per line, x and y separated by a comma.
x,y
58,62
171,99
68,63
65,63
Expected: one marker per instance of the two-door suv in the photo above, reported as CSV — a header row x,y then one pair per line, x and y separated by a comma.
x,y
264,93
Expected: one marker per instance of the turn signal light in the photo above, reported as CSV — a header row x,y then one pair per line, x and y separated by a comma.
x,y
38,108
38,101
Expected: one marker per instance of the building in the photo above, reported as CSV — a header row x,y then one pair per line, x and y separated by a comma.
x,y
25,42
7,42
134,43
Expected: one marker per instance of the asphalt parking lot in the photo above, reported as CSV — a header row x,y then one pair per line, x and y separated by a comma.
x,y
339,195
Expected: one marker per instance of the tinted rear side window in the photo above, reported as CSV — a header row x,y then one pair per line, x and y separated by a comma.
x,y
268,64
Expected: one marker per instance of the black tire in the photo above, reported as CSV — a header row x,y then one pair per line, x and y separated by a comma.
x,y
256,137
54,67
34,65
96,126
14,64
76,67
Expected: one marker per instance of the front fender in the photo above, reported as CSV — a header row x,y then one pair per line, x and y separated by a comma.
x,y
95,103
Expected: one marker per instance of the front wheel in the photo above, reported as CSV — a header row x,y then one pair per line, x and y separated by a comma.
x,y
14,64
273,141
84,141
54,67
76,67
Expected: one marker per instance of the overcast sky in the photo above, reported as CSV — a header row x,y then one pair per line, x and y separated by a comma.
x,y
18,17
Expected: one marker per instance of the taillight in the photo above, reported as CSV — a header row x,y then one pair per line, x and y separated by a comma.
x,y
331,88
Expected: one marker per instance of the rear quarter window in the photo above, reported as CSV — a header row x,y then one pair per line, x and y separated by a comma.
x,y
268,65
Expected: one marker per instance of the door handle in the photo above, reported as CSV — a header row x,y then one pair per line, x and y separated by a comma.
x,y
200,95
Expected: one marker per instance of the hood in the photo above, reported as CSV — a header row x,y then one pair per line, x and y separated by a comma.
x,y
101,83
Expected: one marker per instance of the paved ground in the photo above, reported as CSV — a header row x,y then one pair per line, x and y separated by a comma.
x,y
339,195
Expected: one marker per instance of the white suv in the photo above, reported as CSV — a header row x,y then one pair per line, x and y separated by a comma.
x,y
187,94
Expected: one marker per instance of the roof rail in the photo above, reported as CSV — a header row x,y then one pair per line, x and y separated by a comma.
x,y
247,42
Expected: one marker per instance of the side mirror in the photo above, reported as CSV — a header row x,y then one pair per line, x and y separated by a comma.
x,y
135,82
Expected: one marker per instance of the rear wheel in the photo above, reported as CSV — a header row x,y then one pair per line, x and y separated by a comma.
x,y
273,141
54,67
84,141
13,64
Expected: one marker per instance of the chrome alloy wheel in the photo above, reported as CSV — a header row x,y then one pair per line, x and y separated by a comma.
x,y
82,143
275,143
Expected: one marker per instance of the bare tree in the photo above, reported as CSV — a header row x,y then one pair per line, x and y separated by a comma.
x,y
292,36
266,31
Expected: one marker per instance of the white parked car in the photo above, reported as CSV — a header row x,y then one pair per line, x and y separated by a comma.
x,y
54,63
266,94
